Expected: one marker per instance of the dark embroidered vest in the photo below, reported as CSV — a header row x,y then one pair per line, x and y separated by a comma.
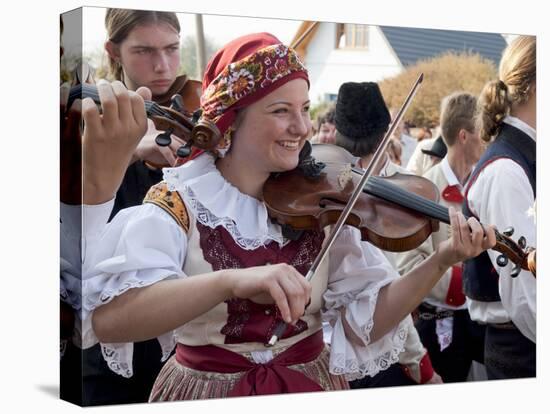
x,y
479,277
249,321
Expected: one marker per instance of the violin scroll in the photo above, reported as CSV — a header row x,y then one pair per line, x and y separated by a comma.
x,y
523,257
205,134
174,120
201,133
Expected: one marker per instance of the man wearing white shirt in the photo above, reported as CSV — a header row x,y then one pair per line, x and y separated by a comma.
x,y
453,340
502,191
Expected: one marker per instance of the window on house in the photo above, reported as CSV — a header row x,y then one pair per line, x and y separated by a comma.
x,y
330,97
352,36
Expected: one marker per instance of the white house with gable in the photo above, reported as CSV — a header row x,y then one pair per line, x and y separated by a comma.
x,y
335,53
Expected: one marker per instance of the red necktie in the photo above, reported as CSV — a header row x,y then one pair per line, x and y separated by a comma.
x,y
452,194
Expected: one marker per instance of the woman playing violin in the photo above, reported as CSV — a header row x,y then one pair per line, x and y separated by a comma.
x,y
200,265
502,191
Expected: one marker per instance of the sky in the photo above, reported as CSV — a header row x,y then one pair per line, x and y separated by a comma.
x,y
218,28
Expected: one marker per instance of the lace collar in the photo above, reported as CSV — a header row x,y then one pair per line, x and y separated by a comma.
x,y
214,201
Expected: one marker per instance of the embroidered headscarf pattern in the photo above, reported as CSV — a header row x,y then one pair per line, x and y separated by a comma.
x,y
247,76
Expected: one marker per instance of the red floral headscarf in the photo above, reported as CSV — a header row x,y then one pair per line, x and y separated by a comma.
x,y
243,72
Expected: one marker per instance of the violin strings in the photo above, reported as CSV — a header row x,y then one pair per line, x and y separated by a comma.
x,y
422,204
90,91
390,192
393,193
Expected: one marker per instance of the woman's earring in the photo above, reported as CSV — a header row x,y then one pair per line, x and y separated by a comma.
x,y
225,143
227,137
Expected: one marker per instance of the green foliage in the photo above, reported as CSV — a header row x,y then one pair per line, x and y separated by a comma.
x,y
443,75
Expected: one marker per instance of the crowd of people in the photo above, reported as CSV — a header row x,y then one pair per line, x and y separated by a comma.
x,y
178,277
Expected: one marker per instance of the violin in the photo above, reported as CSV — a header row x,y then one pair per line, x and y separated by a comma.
x,y
395,213
172,120
189,89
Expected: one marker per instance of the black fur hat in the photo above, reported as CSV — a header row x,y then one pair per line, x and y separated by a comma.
x,y
361,110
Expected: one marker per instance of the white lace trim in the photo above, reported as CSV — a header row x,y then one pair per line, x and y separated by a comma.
x,y
353,369
205,217
127,257
221,203
106,295
118,356
355,361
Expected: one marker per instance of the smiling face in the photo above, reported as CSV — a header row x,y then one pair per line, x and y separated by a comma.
x,y
270,133
149,55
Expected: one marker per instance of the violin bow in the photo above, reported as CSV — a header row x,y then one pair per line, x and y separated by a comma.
x,y
281,326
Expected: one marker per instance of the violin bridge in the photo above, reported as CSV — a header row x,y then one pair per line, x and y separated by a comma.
x,y
344,177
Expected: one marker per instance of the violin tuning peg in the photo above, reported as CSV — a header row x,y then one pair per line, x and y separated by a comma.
x,y
196,115
515,271
164,139
502,260
508,231
176,103
522,242
185,150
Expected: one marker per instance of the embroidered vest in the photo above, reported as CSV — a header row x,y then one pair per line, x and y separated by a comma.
x,y
239,321
479,277
249,321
